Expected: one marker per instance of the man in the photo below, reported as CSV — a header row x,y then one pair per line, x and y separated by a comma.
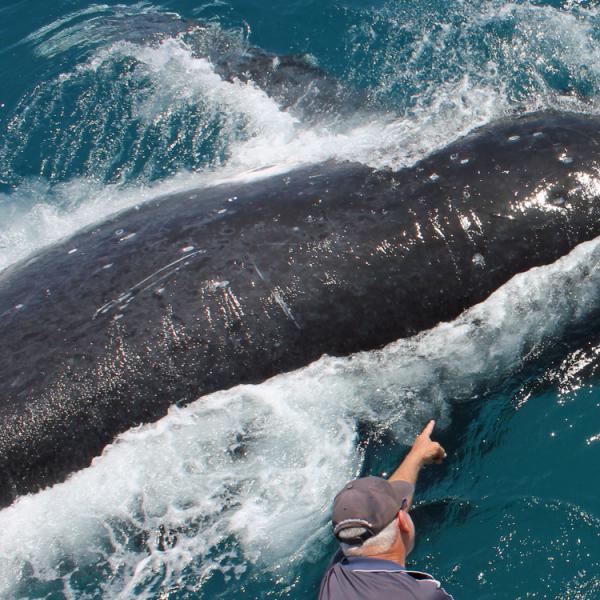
x,y
376,534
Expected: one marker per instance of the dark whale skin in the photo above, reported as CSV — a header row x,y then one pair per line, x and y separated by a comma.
x,y
203,290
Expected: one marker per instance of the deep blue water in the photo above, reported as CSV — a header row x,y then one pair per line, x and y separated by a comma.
x,y
105,105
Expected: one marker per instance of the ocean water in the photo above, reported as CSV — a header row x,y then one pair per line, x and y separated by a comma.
x,y
105,105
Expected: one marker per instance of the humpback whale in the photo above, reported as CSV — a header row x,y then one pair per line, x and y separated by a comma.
x,y
203,290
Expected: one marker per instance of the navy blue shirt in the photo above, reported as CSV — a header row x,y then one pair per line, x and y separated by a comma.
x,y
358,578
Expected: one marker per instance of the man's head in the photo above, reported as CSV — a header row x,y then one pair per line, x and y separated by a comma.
x,y
370,516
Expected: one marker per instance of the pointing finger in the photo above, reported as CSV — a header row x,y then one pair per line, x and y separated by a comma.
x,y
428,428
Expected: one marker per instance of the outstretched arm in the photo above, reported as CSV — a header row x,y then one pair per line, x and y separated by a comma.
x,y
424,451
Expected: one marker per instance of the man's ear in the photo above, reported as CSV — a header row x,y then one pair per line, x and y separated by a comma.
x,y
403,521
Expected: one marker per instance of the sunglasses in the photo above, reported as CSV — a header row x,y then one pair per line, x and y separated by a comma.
x,y
365,527
356,540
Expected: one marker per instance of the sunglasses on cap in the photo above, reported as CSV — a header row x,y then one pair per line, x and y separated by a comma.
x,y
365,527
356,540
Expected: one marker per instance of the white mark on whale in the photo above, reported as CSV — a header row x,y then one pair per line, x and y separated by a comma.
x,y
148,282
108,266
514,138
278,297
259,272
127,298
464,161
72,251
434,177
187,249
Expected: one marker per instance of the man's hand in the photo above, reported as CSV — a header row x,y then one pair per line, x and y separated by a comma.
x,y
425,449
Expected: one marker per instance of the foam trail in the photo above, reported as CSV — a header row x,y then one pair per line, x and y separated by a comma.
x,y
205,487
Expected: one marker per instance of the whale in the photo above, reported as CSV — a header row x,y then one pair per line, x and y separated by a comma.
x,y
203,290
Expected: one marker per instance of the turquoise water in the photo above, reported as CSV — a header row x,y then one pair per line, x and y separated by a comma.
x,y
106,105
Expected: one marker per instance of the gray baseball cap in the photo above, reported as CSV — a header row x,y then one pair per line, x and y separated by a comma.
x,y
367,506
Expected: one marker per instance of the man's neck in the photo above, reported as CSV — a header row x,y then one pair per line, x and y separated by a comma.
x,y
396,554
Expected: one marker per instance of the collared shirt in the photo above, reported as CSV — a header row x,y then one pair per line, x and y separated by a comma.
x,y
354,578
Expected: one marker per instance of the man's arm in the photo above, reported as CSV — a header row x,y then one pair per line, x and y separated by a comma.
x,y
424,451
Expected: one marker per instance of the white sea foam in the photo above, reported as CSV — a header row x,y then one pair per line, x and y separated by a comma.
x,y
259,464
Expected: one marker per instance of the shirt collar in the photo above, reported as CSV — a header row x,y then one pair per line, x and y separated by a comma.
x,y
363,563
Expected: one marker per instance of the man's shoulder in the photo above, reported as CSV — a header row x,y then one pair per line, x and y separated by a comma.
x,y
370,579
429,580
